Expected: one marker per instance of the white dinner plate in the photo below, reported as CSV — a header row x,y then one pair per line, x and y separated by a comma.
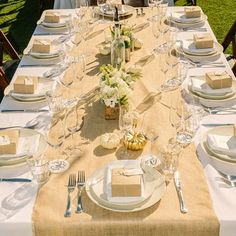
x,y
212,96
207,57
64,18
126,11
190,48
153,179
21,159
224,130
196,23
44,85
224,165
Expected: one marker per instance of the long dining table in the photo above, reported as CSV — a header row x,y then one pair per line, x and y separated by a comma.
x,y
29,210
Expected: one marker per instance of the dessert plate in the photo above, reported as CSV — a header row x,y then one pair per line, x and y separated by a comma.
x,y
154,185
30,143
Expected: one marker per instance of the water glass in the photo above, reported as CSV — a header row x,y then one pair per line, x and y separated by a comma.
x,y
54,100
39,170
170,159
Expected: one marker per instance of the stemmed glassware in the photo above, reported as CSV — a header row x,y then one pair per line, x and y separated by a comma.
x,y
102,8
55,129
81,8
184,119
152,133
73,124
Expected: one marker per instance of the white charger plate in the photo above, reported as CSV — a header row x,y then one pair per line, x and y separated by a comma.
x,y
212,97
40,149
152,178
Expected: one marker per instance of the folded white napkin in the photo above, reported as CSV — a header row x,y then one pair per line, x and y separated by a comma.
x,y
222,144
27,146
189,47
134,169
180,17
199,85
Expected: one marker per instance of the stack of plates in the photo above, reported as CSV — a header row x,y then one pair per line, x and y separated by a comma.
x,y
44,85
220,145
125,11
180,19
200,89
30,143
153,188
190,51
64,18
55,51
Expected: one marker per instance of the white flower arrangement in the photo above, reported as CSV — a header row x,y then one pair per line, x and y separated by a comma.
x,y
115,85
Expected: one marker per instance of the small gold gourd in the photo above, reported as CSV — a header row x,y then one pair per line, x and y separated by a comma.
x,y
134,141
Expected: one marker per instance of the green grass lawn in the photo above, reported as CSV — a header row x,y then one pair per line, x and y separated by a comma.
x,y
18,18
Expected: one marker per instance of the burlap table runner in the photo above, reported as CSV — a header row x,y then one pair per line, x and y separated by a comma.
x,y
164,218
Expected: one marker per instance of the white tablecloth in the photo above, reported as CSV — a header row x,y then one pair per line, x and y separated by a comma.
x,y
17,199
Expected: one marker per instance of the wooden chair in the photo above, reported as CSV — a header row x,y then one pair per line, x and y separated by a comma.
x,y
230,38
7,69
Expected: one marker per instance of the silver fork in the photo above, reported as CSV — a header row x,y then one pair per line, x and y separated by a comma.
x,y
80,185
70,187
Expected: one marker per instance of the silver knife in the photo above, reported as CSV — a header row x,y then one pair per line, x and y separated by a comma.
x,y
23,180
183,207
24,110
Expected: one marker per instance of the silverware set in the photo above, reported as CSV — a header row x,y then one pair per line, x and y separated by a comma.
x,y
72,183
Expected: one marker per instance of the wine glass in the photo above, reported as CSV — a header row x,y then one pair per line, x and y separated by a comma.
x,y
81,8
152,133
172,78
102,8
156,29
73,124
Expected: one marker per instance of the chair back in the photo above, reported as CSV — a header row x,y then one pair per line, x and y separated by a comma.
x,y
3,81
6,46
230,38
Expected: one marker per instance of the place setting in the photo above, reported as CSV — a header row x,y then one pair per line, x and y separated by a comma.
x,y
219,144
43,51
106,8
200,48
17,145
54,20
190,17
213,89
